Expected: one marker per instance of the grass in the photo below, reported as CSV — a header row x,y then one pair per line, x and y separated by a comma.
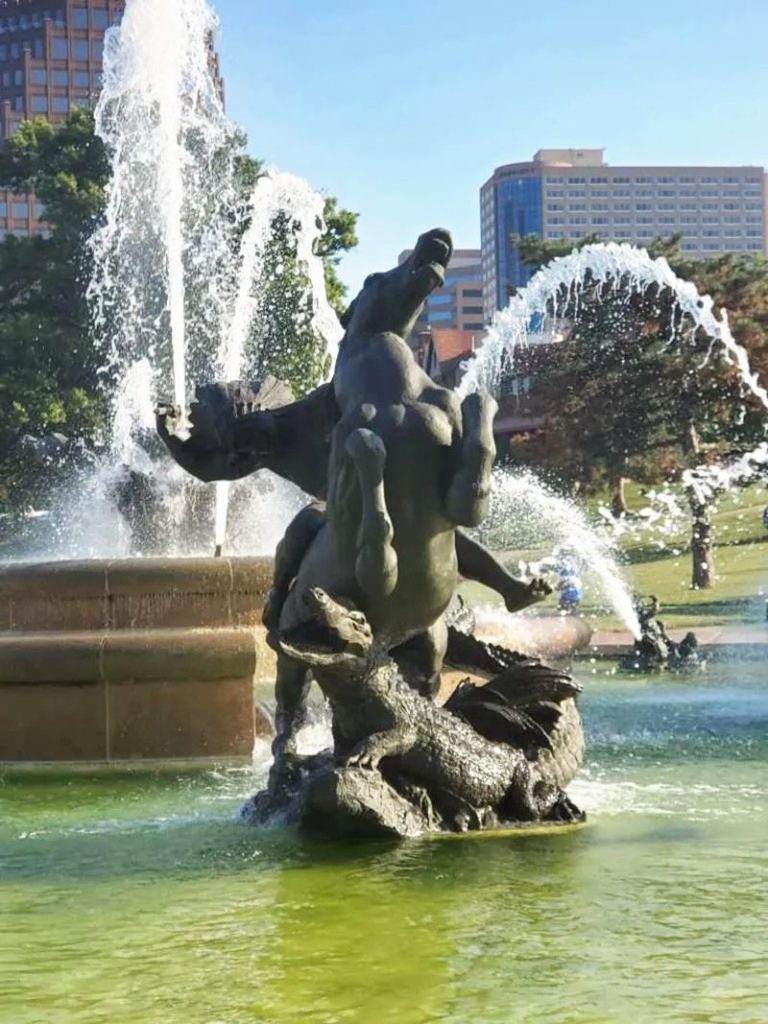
x,y
661,565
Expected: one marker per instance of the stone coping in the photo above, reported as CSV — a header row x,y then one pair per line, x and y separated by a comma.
x,y
133,594
125,656
98,578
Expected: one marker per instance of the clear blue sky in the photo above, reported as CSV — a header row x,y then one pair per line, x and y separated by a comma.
x,y
403,108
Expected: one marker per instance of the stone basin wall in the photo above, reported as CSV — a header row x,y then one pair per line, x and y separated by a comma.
x,y
130,658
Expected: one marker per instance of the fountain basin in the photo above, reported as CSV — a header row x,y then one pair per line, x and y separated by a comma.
x,y
130,658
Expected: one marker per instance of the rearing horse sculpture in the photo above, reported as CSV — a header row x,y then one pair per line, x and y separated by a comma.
x,y
409,463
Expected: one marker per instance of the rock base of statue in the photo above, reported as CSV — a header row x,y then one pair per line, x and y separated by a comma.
x,y
492,757
349,802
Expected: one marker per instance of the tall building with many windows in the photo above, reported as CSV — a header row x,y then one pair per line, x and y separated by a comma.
x,y
50,63
569,193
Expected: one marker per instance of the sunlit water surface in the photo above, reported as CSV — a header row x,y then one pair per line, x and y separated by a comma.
x,y
137,896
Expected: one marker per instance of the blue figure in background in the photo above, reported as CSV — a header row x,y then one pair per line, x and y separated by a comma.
x,y
569,585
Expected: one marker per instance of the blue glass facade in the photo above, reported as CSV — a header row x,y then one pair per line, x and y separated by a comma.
x,y
519,211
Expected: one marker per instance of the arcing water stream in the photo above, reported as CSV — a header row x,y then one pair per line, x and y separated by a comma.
x,y
611,266
615,270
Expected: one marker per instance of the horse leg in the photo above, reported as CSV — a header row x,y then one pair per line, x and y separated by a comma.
x,y
291,691
470,489
420,659
298,537
376,564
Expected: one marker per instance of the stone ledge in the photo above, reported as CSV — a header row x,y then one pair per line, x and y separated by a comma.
x,y
110,577
133,593
78,658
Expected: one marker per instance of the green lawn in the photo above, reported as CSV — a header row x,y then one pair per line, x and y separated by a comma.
x,y
662,566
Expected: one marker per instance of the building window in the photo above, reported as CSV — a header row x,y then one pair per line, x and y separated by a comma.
x,y
40,104
439,300
3,208
473,293
39,76
440,317
100,18
599,181
643,206
18,104
644,181
39,211
59,48
601,220
473,310
80,50
577,181
18,77
60,105
81,80
98,51
60,77
79,17
20,210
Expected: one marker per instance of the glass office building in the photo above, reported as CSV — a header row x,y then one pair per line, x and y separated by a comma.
x,y
568,193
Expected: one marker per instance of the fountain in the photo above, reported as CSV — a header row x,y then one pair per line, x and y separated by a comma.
x,y
178,283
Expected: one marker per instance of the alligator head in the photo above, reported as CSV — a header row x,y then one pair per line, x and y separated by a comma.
x,y
333,636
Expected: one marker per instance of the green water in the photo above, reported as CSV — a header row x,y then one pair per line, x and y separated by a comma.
x,y
138,897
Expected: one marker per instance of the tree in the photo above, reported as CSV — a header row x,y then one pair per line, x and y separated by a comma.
x,y
50,366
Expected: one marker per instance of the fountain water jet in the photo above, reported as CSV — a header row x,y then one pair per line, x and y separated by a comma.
x,y
275,193
614,268
523,498
609,265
